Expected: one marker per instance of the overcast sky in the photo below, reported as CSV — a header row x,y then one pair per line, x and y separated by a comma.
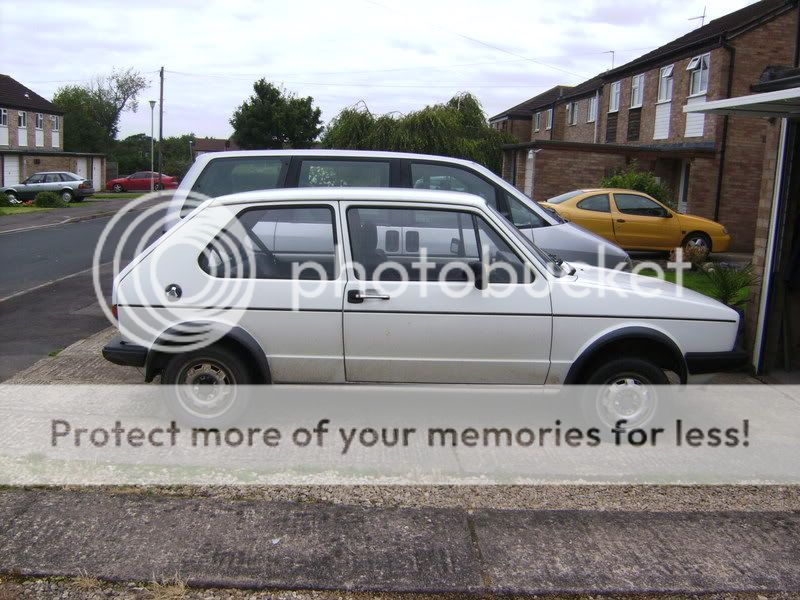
x,y
395,56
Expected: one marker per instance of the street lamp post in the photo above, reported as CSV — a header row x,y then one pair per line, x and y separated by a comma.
x,y
152,106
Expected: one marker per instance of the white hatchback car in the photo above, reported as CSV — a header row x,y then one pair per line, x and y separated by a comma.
x,y
313,286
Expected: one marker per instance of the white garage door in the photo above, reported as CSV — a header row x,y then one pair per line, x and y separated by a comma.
x,y
10,169
97,174
82,168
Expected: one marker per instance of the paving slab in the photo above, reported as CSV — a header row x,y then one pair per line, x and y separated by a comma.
x,y
574,552
238,544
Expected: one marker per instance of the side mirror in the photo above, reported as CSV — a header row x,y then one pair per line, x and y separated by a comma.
x,y
478,272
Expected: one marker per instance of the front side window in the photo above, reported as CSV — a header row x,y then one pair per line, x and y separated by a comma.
x,y
631,204
548,123
428,176
537,121
224,176
22,119
592,113
3,116
596,203
343,173
613,97
665,83
637,90
35,179
449,240
698,78
288,242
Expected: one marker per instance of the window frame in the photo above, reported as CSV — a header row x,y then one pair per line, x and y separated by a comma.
x,y
591,111
608,203
697,65
55,123
39,122
644,197
548,122
3,117
22,119
572,113
665,74
614,95
537,121
637,90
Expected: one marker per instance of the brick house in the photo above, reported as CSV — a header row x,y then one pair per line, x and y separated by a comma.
x,y
203,145
31,138
711,163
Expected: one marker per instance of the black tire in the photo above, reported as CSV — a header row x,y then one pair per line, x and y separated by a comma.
x,y
117,188
697,238
158,187
205,369
12,197
624,389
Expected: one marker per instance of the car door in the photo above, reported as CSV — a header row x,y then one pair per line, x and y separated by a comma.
x,y
52,182
594,213
30,187
139,181
640,222
432,325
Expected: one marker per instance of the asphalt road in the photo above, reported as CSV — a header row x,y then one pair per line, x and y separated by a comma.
x,y
47,300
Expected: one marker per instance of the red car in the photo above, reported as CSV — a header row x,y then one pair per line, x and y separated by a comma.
x,y
140,182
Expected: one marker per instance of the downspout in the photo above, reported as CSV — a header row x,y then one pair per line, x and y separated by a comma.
x,y
596,113
721,173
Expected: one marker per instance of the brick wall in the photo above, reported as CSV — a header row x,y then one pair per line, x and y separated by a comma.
x,y
31,132
559,170
581,131
544,133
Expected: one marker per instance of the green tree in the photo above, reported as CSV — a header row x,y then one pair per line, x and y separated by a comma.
x,y
632,178
274,118
456,128
133,154
92,112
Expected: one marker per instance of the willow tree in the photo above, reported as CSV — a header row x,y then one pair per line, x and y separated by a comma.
x,y
457,128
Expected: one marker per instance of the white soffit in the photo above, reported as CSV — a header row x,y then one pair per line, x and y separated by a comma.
x,y
781,103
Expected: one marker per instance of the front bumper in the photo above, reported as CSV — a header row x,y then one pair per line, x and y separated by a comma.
x,y
120,352
713,362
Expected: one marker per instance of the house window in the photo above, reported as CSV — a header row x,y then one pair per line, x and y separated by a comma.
x,y
537,121
592,113
637,90
698,80
3,116
665,84
22,119
39,120
572,113
548,121
613,98
55,122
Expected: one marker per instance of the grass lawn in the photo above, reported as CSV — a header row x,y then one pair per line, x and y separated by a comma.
x,y
20,210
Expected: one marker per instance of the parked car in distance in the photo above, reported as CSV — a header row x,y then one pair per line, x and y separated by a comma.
x,y
219,173
69,186
141,181
636,221
547,323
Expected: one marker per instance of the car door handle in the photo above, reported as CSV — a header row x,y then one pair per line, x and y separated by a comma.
x,y
620,220
357,296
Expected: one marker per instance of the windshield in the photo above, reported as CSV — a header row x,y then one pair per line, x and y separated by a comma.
x,y
550,261
564,197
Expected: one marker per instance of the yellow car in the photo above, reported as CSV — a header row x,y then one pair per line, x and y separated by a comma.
x,y
635,221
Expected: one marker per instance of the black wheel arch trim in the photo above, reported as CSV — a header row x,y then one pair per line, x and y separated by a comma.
x,y
156,359
630,333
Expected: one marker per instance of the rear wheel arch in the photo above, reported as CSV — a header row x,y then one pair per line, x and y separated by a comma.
x,y
641,342
235,339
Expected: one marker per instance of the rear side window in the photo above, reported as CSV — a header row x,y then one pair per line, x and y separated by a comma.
x,y
598,203
224,176
295,242
563,197
428,176
343,173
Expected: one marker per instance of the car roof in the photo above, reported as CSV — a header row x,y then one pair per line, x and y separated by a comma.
x,y
601,190
206,156
352,193
51,172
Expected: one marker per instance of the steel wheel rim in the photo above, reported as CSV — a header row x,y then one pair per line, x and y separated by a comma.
x,y
66,196
206,388
627,396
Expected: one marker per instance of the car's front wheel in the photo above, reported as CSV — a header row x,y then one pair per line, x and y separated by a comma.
x,y
158,186
697,241
12,197
625,390
205,387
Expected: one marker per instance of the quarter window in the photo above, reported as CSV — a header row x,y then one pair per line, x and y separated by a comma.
x,y
343,173
296,242
637,90
428,176
597,203
613,98
631,204
665,83
522,216
698,78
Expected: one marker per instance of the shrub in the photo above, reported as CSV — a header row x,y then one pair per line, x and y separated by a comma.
x,y
49,200
695,255
730,285
5,200
631,178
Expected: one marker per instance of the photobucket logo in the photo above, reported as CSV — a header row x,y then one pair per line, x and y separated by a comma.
x,y
159,303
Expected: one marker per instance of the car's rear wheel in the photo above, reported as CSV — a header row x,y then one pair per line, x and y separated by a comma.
x,y
158,186
205,387
626,389
697,240
117,188
67,196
